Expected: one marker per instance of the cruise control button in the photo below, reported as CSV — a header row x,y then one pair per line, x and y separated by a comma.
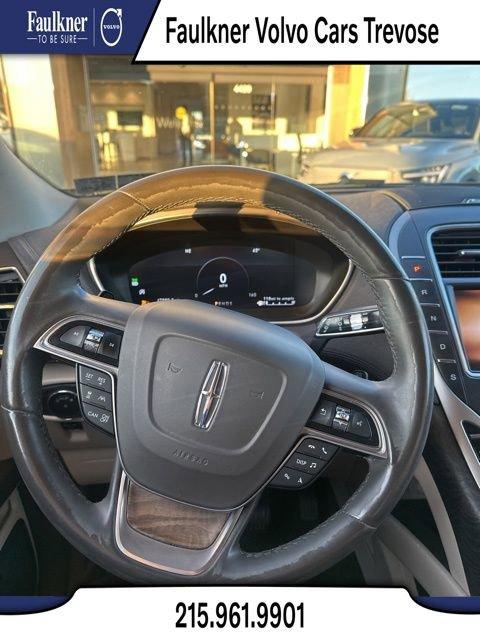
x,y
110,345
301,462
425,291
290,479
434,318
324,412
317,448
98,417
360,425
95,378
442,346
96,396
74,336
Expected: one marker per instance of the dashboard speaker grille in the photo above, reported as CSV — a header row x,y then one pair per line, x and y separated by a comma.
x,y
11,284
457,252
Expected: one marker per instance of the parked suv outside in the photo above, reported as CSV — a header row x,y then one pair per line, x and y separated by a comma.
x,y
429,142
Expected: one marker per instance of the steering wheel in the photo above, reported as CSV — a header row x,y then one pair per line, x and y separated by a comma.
x,y
208,402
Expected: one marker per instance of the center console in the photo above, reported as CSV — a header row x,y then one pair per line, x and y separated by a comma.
x,y
439,248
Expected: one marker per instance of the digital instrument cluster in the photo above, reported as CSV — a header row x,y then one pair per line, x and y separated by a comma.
x,y
231,276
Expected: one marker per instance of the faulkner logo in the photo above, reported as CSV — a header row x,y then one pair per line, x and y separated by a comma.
x,y
56,28
111,26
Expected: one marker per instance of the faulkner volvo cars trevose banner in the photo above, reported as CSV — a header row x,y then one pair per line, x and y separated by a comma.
x,y
239,319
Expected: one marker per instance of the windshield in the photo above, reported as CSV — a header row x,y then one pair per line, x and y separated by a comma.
x,y
89,124
427,120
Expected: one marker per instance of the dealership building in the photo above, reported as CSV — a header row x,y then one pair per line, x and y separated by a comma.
x,y
85,116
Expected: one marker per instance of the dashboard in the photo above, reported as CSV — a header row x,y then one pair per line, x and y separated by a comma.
x,y
315,291
260,265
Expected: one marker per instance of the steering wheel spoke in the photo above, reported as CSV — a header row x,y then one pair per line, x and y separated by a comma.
x,y
170,536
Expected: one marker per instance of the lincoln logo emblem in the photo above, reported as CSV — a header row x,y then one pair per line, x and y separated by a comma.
x,y
211,395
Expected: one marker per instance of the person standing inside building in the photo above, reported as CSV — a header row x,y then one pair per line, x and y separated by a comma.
x,y
186,131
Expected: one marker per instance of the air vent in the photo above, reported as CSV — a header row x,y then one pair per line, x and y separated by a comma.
x,y
10,286
458,252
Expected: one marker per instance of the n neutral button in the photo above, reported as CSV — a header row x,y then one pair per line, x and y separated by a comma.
x,y
434,317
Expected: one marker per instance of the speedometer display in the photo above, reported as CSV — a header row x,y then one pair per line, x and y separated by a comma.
x,y
231,276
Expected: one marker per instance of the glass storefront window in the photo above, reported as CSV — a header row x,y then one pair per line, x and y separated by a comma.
x,y
97,117
149,123
90,124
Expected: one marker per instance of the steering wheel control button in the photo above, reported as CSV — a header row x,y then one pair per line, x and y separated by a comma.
x,y
345,420
110,345
308,464
323,414
416,267
97,397
75,336
451,374
442,346
98,417
360,425
342,413
362,320
93,340
290,479
340,425
425,291
434,317
317,448
94,378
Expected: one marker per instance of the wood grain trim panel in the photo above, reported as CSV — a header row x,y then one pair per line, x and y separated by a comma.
x,y
170,522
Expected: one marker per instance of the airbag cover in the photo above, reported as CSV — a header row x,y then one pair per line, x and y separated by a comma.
x,y
210,449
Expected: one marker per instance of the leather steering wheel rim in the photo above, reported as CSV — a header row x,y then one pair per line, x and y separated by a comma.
x,y
53,292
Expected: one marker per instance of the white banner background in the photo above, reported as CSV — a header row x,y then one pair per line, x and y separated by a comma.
x,y
457,24
354,614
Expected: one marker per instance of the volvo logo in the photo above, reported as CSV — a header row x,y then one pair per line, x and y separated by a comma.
x,y
211,395
111,26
